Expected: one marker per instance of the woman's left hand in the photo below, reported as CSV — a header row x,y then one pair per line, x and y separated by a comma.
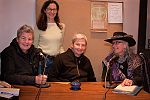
x,y
127,82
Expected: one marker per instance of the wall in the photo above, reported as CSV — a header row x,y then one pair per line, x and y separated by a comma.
x,y
76,15
131,18
148,26
13,14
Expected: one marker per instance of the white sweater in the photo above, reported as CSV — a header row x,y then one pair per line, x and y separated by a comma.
x,y
51,40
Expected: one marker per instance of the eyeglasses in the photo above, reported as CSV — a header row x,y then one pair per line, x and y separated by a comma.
x,y
117,42
50,9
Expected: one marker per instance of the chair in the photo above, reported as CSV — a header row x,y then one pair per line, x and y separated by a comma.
x,y
145,55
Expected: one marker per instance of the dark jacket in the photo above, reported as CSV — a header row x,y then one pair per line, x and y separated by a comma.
x,y
18,67
68,68
131,69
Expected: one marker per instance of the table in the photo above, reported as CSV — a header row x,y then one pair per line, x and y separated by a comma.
x,y
89,91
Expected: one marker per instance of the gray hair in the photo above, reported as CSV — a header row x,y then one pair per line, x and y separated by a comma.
x,y
26,29
79,36
127,53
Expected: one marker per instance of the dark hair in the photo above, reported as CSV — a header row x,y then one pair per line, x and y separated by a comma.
x,y
42,21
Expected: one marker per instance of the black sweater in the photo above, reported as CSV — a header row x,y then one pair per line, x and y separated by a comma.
x,y
67,68
18,67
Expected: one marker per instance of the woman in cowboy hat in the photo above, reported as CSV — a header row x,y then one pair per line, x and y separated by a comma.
x,y
122,64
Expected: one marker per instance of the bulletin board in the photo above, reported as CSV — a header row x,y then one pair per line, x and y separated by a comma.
x,y
104,13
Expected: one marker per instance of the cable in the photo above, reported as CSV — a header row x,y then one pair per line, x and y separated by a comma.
x,y
38,93
105,83
105,94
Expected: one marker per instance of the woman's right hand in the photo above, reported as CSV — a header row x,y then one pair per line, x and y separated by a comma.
x,y
127,82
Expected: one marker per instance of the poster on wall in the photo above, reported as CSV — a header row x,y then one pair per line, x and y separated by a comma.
x,y
115,12
98,16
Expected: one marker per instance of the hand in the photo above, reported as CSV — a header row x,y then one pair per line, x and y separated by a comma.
x,y
40,79
5,84
127,82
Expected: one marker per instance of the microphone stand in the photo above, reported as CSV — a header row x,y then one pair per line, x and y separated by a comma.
x,y
109,84
46,85
145,71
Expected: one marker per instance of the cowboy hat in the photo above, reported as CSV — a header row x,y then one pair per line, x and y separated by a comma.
x,y
122,36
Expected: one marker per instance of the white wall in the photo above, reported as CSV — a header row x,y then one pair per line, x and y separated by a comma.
x,y
131,18
13,14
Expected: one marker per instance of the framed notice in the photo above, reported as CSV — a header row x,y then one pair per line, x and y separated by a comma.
x,y
115,12
99,16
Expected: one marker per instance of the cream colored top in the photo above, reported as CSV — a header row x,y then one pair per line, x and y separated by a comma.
x,y
51,40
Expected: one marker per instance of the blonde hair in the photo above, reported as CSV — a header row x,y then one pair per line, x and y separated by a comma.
x,y
79,36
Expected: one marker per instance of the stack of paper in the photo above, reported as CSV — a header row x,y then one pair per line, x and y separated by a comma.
x,y
131,90
9,92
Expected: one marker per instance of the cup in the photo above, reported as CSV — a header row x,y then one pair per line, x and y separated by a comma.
x,y
75,85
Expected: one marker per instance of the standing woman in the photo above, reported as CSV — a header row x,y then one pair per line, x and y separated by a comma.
x,y
49,32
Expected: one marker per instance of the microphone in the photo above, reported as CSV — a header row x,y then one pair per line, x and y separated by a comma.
x,y
40,71
114,57
109,84
41,54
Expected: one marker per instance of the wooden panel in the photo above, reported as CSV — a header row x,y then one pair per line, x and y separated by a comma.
x,y
39,4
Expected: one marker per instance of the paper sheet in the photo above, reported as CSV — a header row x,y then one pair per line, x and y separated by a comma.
x,y
126,88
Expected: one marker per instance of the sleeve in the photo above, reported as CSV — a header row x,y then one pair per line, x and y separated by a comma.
x,y
55,70
36,36
104,69
9,73
63,33
138,72
91,75
137,75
